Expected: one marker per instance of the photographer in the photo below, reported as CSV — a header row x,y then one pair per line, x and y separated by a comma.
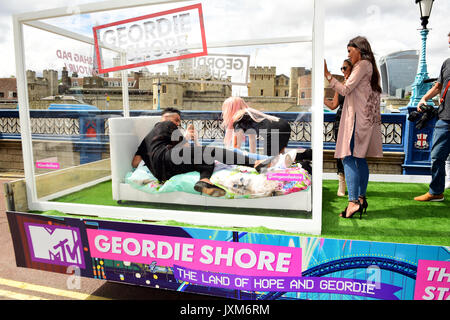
x,y
440,149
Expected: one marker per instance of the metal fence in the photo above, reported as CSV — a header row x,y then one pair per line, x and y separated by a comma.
x,y
92,126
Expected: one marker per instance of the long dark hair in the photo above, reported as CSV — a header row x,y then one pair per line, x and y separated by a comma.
x,y
364,47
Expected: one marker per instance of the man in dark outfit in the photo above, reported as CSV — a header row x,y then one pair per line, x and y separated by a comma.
x,y
167,153
441,137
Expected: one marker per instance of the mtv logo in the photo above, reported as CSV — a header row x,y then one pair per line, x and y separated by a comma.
x,y
55,244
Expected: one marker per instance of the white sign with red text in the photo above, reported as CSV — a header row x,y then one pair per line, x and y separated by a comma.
x,y
154,38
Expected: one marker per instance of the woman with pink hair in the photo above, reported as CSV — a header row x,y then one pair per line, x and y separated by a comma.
x,y
240,120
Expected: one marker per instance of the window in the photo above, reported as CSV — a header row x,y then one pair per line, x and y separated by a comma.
x,y
2,94
175,101
262,92
164,88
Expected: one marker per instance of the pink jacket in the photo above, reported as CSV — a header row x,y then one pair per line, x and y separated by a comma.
x,y
363,105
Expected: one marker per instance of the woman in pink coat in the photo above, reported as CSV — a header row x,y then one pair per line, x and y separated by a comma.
x,y
360,127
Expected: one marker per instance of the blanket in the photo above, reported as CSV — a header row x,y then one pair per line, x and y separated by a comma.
x,y
237,181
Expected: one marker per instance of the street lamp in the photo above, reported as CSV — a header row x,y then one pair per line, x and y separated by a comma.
x,y
420,86
425,7
159,94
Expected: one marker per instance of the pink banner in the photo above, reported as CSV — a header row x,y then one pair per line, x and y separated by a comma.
x,y
47,165
433,280
209,255
285,176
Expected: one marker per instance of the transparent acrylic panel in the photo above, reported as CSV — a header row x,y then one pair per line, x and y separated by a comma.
x,y
73,150
67,116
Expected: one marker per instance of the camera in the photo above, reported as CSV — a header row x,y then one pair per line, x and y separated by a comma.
x,y
427,113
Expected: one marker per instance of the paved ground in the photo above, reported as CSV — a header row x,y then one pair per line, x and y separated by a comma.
x,y
28,284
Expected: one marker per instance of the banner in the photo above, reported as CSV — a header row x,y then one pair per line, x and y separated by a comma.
x,y
288,284
231,264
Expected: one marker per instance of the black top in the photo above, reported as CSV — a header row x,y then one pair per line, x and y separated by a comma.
x,y
279,131
247,123
338,115
444,78
155,148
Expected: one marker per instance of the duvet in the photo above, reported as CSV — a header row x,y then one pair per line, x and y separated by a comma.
x,y
237,181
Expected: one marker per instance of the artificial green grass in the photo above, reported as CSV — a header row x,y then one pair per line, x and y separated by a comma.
x,y
101,194
392,215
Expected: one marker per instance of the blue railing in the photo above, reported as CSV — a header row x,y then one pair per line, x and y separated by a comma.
x,y
89,129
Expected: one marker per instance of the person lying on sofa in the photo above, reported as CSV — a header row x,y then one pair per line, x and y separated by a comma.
x,y
166,153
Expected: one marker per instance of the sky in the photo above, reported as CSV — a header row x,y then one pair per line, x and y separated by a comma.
x,y
389,26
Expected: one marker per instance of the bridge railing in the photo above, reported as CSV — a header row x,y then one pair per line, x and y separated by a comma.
x,y
75,125
89,129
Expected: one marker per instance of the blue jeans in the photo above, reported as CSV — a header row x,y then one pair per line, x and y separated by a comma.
x,y
356,173
255,156
439,153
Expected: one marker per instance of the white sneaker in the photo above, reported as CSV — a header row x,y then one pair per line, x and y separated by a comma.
x,y
447,173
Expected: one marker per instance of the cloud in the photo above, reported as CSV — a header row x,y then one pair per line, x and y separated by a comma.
x,y
389,25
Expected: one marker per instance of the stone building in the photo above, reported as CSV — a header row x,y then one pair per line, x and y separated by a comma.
x,y
305,92
262,82
296,72
8,92
39,87
267,91
282,86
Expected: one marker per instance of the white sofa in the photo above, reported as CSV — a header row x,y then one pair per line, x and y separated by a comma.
x,y
125,136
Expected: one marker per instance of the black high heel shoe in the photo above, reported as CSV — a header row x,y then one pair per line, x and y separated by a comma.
x,y
364,203
360,210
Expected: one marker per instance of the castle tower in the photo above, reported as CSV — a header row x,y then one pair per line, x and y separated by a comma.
x,y
262,81
296,72
31,76
52,80
170,92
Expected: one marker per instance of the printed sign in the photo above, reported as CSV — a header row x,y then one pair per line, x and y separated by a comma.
x,y
76,62
231,264
155,38
55,244
285,176
47,165
228,69
218,256
289,284
433,280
